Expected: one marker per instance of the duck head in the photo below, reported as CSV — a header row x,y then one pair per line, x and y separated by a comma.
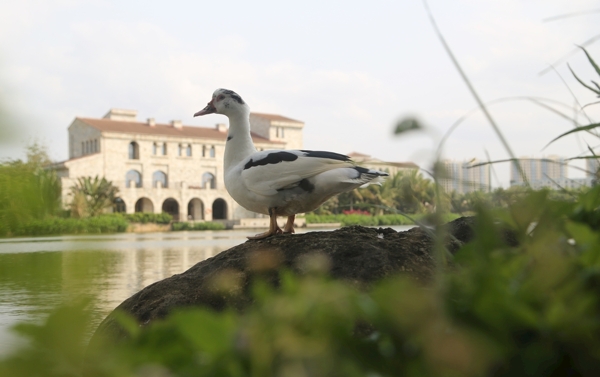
x,y
224,102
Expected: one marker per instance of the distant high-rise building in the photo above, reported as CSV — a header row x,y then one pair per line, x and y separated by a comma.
x,y
549,172
591,167
463,176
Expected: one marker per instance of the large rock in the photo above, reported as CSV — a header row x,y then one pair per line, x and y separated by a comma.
x,y
355,254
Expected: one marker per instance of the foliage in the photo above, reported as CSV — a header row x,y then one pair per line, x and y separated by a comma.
x,y
379,220
59,225
207,225
27,193
533,309
407,192
92,196
146,217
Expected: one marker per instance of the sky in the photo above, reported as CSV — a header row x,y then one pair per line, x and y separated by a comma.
x,y
349,69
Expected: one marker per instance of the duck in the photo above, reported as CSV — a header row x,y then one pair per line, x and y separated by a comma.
x,y
280,182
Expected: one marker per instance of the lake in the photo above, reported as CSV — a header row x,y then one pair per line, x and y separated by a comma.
x,y
37,274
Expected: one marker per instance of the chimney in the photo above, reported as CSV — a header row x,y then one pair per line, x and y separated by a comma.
x,y
176,124
221,127
151,122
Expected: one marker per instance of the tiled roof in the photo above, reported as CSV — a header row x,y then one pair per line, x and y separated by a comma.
x,y
275,117
117,126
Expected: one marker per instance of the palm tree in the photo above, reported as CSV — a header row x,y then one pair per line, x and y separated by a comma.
x,y
91,196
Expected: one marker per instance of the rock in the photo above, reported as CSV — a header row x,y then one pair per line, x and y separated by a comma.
x,y
355,254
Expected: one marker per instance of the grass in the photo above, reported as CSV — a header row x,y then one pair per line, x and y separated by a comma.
x,y
379,220
208,225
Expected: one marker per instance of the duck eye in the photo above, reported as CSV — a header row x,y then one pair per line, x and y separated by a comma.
x,y
220,97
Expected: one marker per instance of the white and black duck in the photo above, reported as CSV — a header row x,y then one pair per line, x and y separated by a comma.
x,y
280,182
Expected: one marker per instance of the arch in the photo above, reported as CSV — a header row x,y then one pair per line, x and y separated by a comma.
x,y
135,177
212,151
195,209
134,151
144,205
209,181
219,209
171,206
188,150
159,179
119,205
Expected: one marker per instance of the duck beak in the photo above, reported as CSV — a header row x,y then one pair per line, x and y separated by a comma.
x,y
209,109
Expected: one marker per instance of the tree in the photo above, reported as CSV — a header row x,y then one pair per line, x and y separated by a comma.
x,y
92,196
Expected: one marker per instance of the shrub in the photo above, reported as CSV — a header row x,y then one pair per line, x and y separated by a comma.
x,y
208,225
58,225
145,217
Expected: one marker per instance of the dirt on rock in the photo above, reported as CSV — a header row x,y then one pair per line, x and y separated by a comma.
x,y
354,254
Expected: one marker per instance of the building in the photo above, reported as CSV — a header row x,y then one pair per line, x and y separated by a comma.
x,y
392,168
463,176
550,172
165,167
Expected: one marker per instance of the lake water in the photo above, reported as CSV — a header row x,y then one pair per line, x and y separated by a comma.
x,y
37,274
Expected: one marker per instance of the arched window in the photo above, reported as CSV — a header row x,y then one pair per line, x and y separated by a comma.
x,y
188,150
208,181
133,178
159,179
154,149
219,209
204,151
164,149
212,151
119,205
134,151
144,205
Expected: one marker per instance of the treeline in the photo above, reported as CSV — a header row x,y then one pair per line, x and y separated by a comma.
x,y
410,192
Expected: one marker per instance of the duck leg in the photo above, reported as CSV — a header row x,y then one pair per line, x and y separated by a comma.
x,y
289,225
273,227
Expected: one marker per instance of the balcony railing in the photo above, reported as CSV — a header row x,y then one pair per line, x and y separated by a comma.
x,y
170,185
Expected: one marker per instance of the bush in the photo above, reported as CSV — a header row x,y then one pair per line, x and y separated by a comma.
x,y
381,220
208,225
58,225
145,217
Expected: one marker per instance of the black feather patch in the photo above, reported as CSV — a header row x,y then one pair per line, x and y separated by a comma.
x,y
271,158
233,95
306,185
362,171
229,138
329,155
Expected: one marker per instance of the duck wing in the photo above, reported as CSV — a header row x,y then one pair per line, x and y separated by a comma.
x,y
270,171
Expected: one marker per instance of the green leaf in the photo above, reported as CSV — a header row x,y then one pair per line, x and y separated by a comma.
x,y
576,129
408,124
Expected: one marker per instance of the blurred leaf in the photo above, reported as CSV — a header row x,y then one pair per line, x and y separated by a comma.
x,y
408,124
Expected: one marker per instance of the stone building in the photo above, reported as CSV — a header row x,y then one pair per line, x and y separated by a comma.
x,y
165,167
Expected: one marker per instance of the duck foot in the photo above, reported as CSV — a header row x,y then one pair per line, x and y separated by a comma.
x,y
289,225
273,227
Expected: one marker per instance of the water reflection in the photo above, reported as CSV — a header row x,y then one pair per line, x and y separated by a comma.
x,y
37,274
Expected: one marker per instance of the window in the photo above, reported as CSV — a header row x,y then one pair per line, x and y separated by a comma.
x,y
179,149
134,151
212,151
208,181
188,150
154,149
164,149
159,179
204,151
96,145
133,178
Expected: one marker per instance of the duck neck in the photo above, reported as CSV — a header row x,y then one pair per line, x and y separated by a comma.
x,y
239,142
